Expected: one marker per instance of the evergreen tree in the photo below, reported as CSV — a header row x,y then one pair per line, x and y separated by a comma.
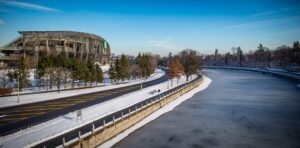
x,y
141,61
73,68
240,55
147,65
43,64
112,73
118,69
91,71
138,58
124,74
98,74
227,58
216,56
60,68
86,75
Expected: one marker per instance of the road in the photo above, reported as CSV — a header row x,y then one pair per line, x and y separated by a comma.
x,y
15,118
238,109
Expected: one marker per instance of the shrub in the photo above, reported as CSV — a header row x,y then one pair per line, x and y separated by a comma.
x,y
5,91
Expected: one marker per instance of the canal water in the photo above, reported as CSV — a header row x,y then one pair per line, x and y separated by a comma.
x,y
238,109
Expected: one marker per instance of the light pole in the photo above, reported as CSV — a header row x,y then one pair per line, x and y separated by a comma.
x,y
168,84
18,89
142,84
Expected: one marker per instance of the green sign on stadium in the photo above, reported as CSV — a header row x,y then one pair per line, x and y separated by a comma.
x,y
104,44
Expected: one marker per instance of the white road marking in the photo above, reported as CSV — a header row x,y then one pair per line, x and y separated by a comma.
x,y
1,116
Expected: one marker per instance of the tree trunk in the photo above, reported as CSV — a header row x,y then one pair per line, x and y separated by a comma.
x,y
72,83
65,82
58,85
51,82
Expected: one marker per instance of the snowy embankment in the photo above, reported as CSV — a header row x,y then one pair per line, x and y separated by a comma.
x,y
70,121
156,114
30,98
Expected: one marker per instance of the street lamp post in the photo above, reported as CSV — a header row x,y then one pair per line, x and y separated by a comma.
x,y
168,84
18,89
142,84
141,81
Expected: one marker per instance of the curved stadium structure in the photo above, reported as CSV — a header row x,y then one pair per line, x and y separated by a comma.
x,y
73,44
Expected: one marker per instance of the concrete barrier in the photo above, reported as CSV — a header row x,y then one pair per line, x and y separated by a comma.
x,y
114,128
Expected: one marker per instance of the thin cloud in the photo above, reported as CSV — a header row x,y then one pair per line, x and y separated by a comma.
x,y
163,44
264,23
29,6
272,12
1,22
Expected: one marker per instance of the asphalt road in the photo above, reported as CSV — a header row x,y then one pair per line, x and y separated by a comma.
x,y
239,109
15,118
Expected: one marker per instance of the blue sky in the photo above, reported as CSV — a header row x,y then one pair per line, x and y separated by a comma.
x,y
160,26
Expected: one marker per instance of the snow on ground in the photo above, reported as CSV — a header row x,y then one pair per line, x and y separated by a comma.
x,y
156,114
30,98
105,68
70,121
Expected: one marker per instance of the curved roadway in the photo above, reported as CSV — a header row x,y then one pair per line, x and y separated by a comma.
x,y
238,109
18,117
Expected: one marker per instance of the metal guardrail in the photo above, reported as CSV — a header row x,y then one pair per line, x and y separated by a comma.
x,y
86,130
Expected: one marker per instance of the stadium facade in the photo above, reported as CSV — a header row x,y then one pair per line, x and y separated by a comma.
x,y
73,44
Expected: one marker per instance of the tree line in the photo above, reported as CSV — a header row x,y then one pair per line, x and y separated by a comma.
x,y
187,62
283,57
140,67
55,70
61,71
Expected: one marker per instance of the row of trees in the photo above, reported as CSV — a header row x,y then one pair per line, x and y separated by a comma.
x,y
55,70
119,70
141,67
59,69
283,57
186,62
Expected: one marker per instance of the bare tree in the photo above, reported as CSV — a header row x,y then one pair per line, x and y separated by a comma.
x,y
191,61
3,77
135,71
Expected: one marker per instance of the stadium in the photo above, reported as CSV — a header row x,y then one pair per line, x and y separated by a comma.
x,y
73,44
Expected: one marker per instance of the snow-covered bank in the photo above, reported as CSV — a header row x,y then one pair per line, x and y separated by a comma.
x,y
35,134
156,114
30,98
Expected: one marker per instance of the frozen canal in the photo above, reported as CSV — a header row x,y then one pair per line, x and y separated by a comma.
x,y
238,109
